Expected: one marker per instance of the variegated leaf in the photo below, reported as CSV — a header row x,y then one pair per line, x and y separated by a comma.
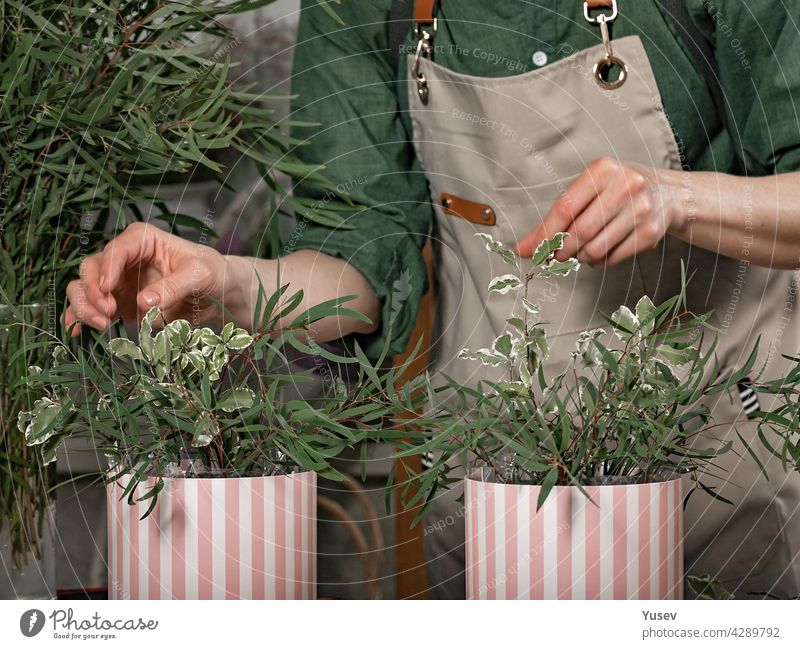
x,y
122,347
485,356
559,268
239,340
498,248
504,284
530,307
547,248
626,324
236,399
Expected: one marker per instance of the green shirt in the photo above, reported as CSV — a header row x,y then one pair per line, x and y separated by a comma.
x,y
343,80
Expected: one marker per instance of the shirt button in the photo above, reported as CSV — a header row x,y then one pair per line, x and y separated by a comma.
x,y
539,58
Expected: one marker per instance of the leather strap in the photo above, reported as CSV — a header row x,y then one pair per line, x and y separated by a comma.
x,y
424,12
477,213
594,4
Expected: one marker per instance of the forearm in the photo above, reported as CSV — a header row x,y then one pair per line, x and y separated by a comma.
x,y
320,277
756,219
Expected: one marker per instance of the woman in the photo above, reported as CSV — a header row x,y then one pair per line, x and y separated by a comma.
x,y
521,120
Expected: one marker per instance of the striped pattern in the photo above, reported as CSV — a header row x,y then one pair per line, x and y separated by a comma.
x,y
215,538
626,543
749,398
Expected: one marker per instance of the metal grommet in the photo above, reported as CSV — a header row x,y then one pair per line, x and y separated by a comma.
x,y
486,214
446,202
603,66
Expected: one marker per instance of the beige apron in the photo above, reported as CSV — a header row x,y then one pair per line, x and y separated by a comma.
x,y
514,144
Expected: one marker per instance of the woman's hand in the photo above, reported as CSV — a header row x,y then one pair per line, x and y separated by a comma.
x,y
146,267
612,211
142,268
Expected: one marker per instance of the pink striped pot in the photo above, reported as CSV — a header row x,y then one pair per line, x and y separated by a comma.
x,y
626,543
215,538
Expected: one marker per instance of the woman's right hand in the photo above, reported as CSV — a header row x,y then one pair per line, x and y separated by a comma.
x,y
145,267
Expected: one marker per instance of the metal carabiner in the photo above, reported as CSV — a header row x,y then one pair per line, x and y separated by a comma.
x,y
424,48
422,82
604,65
607,17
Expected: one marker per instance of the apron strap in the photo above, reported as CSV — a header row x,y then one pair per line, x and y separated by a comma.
x,y
677,13
398,28
425,25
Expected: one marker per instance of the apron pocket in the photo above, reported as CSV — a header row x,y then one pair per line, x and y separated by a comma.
x,y
521,209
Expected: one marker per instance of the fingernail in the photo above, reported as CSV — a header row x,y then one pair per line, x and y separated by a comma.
x,y
151,299
102,281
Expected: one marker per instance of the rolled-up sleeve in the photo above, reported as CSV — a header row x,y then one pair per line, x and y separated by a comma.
x,y
343,82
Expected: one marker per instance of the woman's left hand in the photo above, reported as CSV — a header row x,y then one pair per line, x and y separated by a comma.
x,y
612,211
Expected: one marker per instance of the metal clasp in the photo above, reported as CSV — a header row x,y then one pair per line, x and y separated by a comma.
x,y
424,48
601,17
602,67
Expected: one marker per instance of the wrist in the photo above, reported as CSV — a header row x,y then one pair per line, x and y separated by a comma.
x,y
680,200
241,287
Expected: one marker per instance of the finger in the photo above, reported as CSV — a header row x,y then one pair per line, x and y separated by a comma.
x,y
82,309
568,207
90,276
585,228
133,246
600,246
188,281
69,318
625,250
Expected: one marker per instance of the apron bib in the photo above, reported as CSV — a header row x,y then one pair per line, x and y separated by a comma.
x,y
497,152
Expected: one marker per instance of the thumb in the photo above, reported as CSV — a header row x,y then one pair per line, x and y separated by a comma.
x,y
169,290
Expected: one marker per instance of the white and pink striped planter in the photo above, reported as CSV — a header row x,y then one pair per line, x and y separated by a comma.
x,y
626,544
215,538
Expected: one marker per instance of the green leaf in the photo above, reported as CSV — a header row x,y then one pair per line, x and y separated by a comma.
x,y
644,310
239,340
530,307
503,346
513,389
625,323
227,331
236,399
179,332
499,249
559,268
43,422
518,323
122,347
485,356
504,284
677,356
205,430
146,333
546,249
549,481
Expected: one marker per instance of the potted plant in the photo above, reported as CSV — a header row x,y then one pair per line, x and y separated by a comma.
x,y
101,101
573,485
213,457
